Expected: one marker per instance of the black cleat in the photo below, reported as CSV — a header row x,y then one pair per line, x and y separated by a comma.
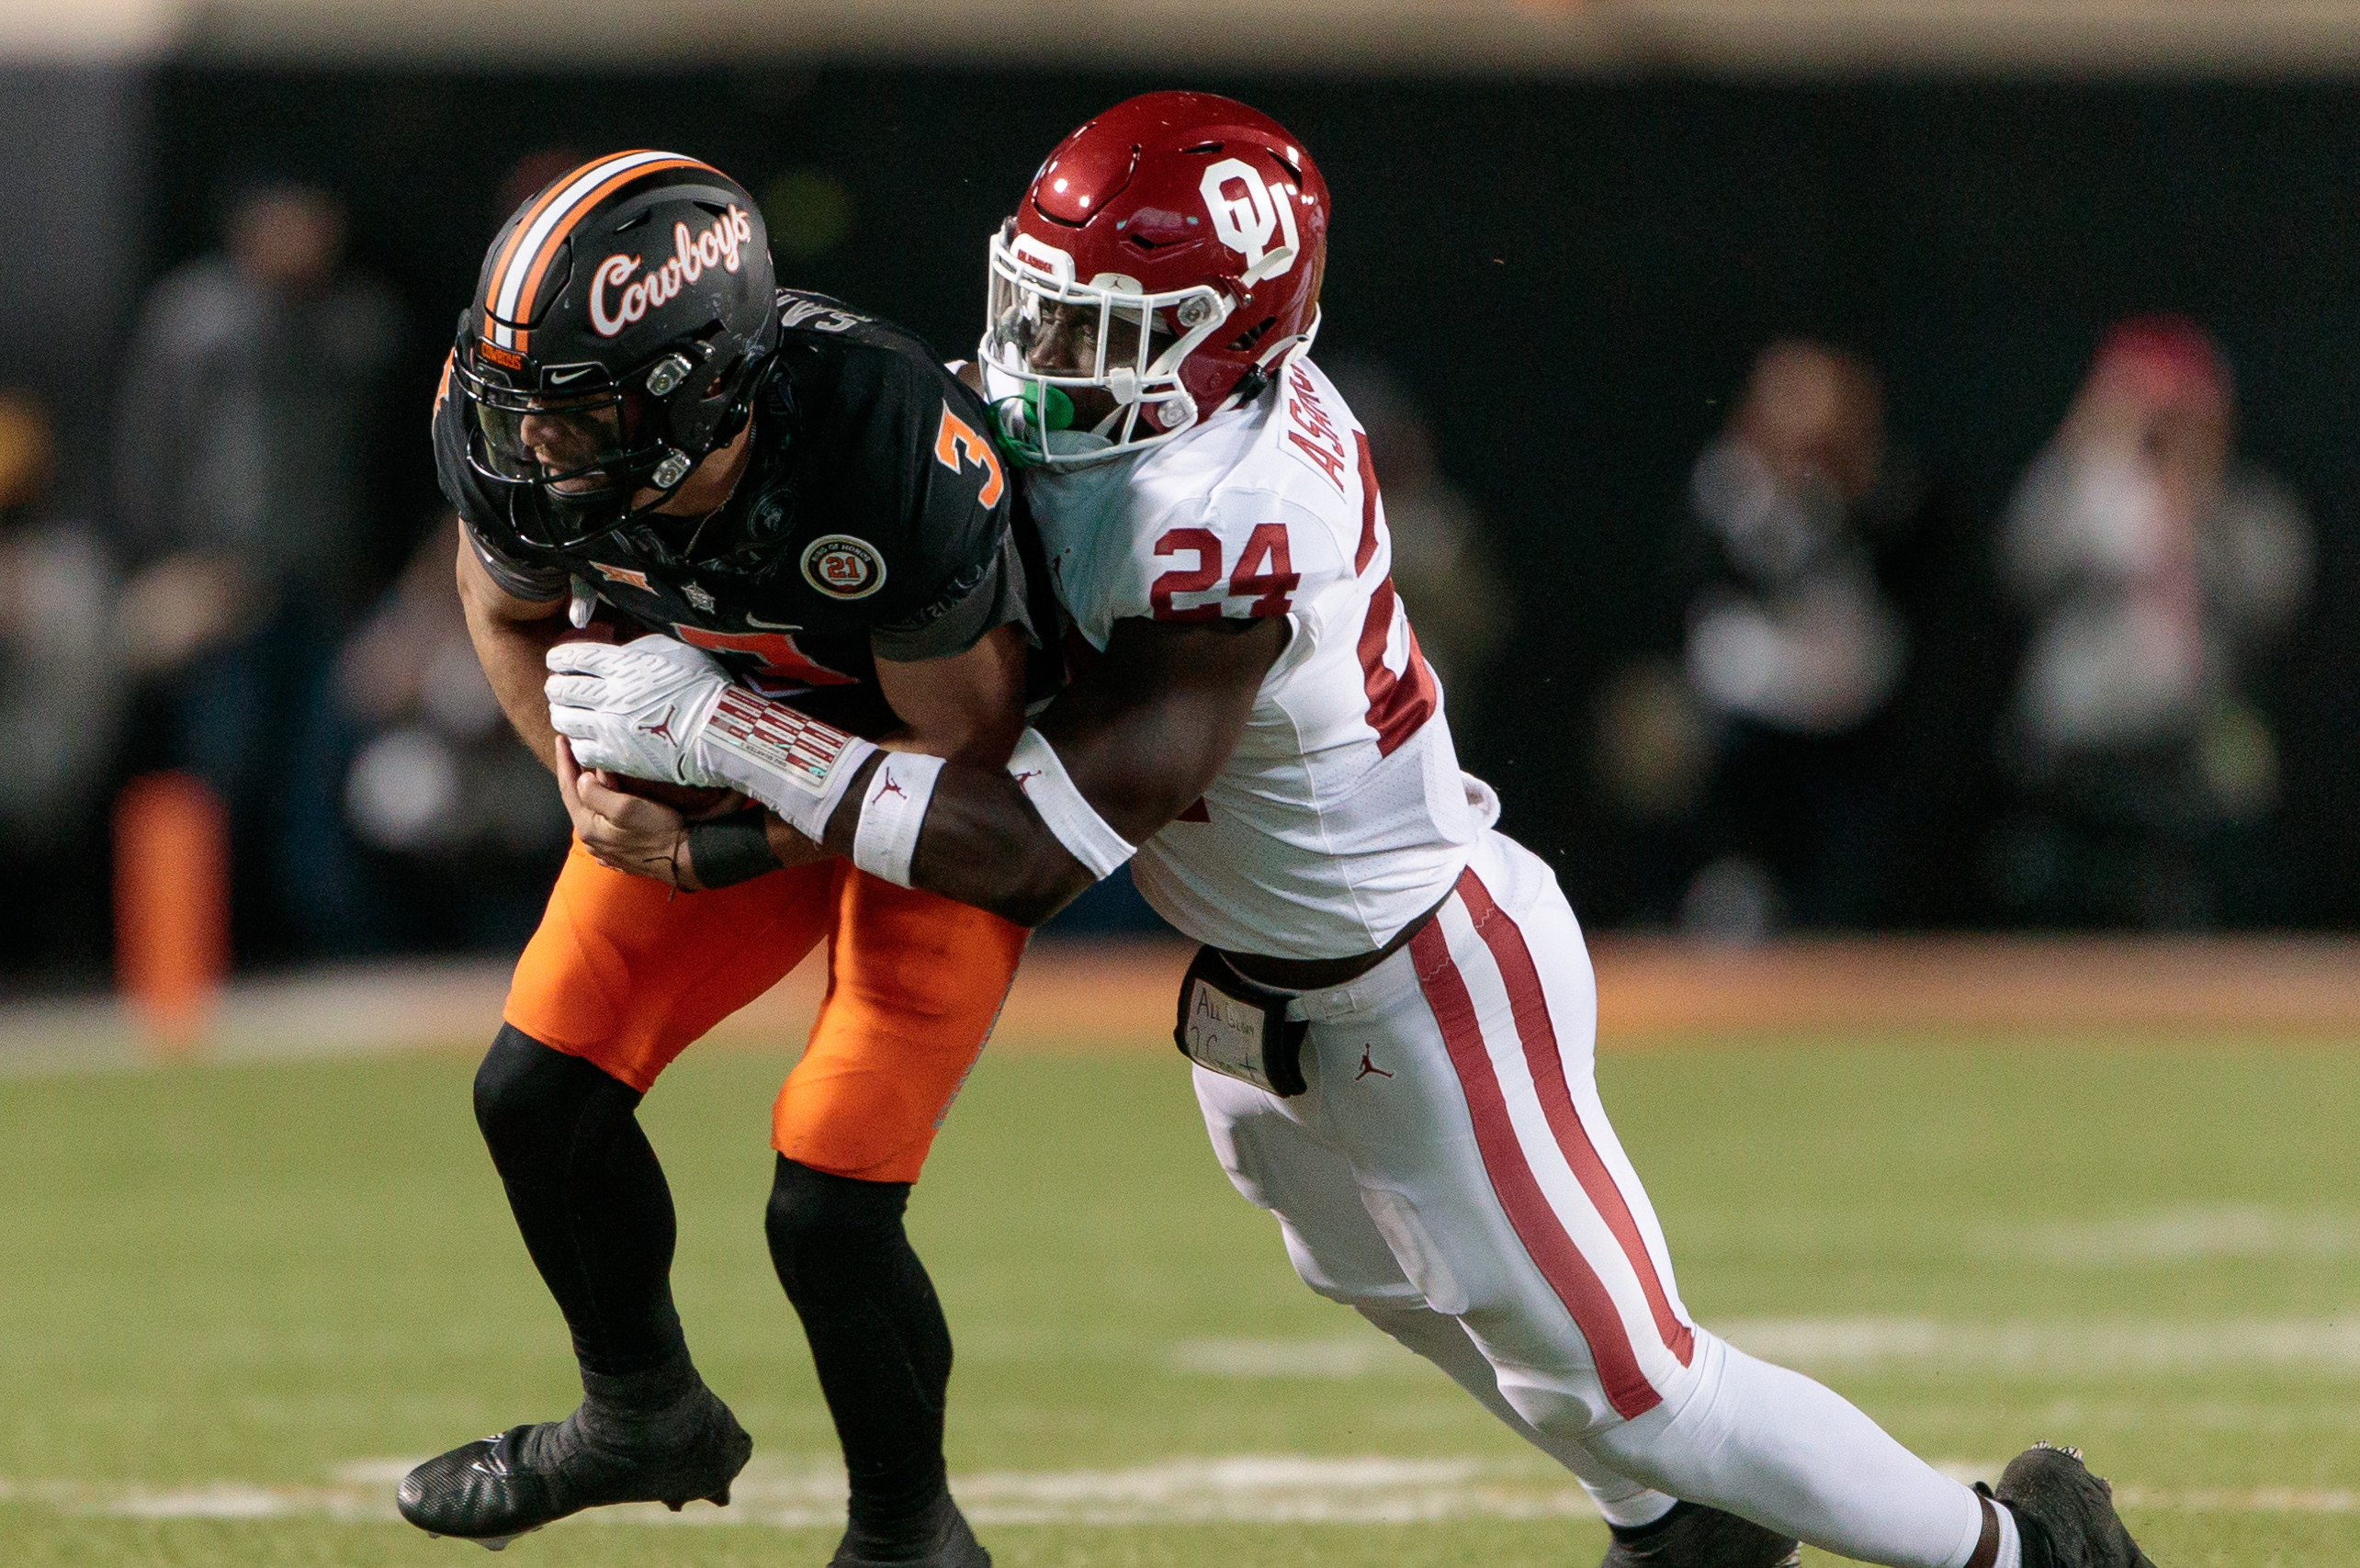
x,y
495,1489
948,1543
1693,1536
2065,1514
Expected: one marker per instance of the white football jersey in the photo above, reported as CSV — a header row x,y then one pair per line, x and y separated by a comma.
x,y
1342,815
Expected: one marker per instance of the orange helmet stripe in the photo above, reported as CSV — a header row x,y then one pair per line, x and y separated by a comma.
x,y
557,238
515,237
534,246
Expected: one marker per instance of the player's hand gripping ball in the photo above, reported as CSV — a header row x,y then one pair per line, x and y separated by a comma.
x,y
634,712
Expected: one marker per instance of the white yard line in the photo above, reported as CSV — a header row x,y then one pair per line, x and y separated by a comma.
x,y
2241,1500
1244,1489
2319,1345
2188,1233
1362,1355
1266,1489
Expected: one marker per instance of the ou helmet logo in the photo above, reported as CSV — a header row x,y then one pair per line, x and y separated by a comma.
x,y
1248,223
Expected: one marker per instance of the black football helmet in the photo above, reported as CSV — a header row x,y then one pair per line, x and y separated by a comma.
x,y
623,324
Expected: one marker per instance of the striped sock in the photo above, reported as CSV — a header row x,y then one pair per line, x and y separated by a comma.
x,y
1999,1545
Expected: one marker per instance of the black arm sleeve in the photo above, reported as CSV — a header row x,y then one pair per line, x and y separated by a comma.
x,y
996,598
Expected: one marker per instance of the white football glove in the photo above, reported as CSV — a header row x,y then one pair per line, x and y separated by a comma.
x,y
637,707
656,708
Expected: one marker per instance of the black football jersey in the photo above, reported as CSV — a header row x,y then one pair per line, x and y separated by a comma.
x,y
874,513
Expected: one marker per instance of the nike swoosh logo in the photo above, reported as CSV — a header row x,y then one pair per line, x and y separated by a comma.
x,y
562,377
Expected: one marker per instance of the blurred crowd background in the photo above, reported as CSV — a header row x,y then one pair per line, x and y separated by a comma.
x,y
1853,500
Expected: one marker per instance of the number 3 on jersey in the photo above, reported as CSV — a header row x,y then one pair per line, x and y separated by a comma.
x,y
957,443
1264,574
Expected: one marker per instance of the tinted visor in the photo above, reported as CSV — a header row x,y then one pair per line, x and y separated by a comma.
x,y
569,445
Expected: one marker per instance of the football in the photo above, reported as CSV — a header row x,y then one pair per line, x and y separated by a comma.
x,y
691,801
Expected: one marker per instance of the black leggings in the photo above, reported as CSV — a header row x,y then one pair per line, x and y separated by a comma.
x,y
878,1340
589,1196
597,1217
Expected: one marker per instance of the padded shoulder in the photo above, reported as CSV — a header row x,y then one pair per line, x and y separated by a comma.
x,y
1239,553
895,452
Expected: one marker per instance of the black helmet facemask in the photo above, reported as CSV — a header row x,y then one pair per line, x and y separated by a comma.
x,y
578,465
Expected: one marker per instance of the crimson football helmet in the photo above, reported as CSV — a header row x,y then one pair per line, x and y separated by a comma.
x,y
624,320
1165,261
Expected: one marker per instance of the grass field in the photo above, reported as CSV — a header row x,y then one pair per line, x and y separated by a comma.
x,y
235,1300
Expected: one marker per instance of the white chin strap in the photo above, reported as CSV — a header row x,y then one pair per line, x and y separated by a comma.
x,y
1274,361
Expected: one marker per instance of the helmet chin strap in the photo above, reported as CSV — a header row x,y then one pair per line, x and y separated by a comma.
x,y
1272,364
678,467
1251,386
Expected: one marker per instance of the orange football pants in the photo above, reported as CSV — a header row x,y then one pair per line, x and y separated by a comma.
x,y
626,976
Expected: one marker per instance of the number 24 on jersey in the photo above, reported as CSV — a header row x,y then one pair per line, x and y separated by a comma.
x,y
1263,573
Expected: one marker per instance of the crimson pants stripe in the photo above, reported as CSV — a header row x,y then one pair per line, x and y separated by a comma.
x,y
1530,1007
1552,1250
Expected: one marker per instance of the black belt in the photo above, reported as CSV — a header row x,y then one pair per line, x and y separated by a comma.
x,y
1319,974
1232,1016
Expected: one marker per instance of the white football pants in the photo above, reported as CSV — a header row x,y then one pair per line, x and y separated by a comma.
x,y
1451,1174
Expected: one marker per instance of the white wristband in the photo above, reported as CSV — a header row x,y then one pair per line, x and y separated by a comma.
x,y
792,763
892,813
1070,819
